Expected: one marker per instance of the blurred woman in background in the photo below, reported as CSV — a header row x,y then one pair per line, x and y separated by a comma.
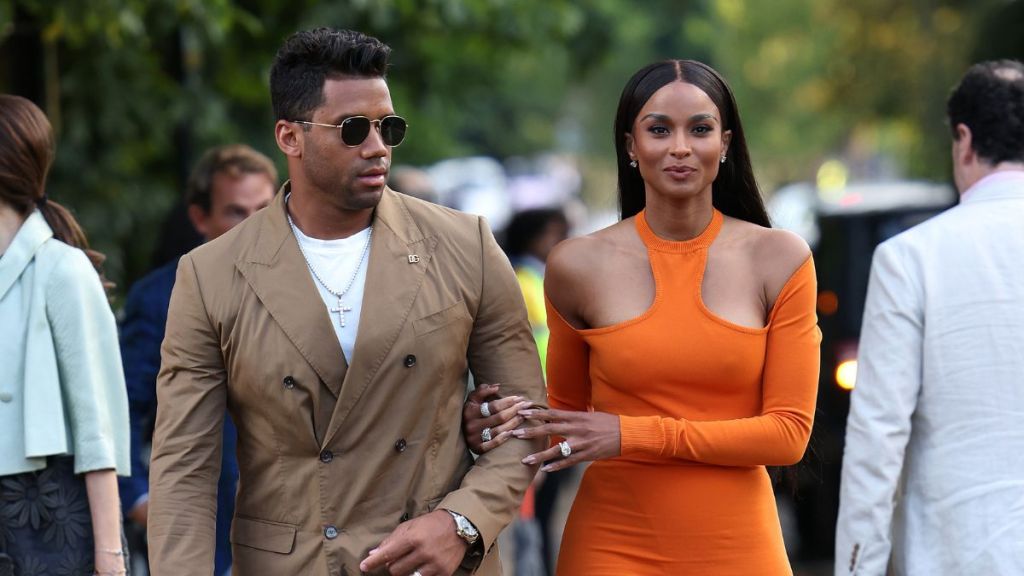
x,y
63,406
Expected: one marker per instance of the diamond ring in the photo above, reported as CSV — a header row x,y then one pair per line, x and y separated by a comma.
x,y
565,448
485,410
416,573
486,434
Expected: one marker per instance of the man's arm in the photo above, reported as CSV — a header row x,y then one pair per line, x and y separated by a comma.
x,y
881,407
501,349
186,458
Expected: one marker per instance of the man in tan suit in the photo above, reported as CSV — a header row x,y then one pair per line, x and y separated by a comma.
x,y
337,326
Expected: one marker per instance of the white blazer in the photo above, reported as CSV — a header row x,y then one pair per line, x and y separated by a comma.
x,y
933,470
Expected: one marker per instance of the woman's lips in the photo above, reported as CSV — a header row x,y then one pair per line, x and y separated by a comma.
x,y
680,172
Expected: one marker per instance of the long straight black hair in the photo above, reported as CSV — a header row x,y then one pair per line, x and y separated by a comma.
x,y
735,191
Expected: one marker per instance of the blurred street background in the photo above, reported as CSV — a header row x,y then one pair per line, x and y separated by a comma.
x,y
510,106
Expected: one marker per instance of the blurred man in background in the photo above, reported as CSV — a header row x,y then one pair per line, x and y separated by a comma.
x,y
227,185
932,480
529,238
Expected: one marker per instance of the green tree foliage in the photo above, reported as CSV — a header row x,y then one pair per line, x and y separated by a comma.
x,y
138,88
863,81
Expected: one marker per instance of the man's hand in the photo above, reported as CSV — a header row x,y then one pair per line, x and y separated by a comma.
x,y
428,544
504,417
140,513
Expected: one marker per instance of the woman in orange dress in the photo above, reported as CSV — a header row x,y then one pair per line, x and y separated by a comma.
x,y
684,348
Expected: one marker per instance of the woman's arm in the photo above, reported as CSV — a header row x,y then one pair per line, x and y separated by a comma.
x,y
105,507
778,436
93,393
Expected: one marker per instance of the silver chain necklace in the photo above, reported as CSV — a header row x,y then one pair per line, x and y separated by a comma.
x,y
341,309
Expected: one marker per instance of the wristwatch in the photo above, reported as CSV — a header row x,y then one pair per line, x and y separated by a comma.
x,y
464,528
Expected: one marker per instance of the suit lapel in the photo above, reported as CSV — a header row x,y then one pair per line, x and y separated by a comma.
x,y
277,272
393,280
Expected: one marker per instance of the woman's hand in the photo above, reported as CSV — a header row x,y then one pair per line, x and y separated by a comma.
x,y
504,417
590,436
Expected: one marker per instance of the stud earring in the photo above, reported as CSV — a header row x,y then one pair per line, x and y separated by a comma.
x,y
723,159
632,163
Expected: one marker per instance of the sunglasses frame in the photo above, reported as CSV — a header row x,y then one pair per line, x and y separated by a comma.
x,y
341,126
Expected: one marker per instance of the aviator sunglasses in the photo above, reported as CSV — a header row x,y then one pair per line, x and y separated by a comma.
x,y
355,129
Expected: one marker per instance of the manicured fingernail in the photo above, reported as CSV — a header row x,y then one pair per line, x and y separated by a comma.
x,y
526,413
372,552
529,460
547,468
518,433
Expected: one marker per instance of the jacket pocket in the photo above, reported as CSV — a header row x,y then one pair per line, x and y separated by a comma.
x,y
440,319
263,535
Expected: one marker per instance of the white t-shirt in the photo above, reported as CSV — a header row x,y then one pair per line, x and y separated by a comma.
x,y
335,261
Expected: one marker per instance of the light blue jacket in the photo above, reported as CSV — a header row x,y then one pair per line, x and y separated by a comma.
x,y
61,386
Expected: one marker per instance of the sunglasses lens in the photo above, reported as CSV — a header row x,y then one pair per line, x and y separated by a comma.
x,y
392,130
354,130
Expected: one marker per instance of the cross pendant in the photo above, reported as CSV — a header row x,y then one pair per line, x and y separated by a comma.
x,y
341,309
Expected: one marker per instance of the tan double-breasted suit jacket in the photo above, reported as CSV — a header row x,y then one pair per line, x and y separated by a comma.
x,y
334,455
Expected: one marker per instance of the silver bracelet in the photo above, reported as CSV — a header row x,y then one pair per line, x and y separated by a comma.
x,y
118,572
119,552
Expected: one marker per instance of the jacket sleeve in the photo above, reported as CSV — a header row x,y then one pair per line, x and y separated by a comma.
x,y
501,350
776,437
187,442
881,407
89,364
141,332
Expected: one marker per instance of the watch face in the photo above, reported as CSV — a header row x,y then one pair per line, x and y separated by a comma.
x,y
466,529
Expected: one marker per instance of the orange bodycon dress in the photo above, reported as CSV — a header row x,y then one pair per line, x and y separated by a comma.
x,y
704,405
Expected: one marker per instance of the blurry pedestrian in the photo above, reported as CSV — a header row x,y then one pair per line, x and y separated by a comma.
x,y
63,407
529,238
932,480
227,185
337,326
684,348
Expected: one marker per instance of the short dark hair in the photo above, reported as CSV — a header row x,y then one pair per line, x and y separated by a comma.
x,y
526,226
234,160
308,57
735,191
990,101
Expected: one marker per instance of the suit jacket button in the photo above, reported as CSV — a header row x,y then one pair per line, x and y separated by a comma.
x,y
5,398
331,532
326,456
289,382
400,445
410,361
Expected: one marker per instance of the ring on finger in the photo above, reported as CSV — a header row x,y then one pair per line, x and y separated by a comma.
x,y
485,410
485,434
416,573
564,447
